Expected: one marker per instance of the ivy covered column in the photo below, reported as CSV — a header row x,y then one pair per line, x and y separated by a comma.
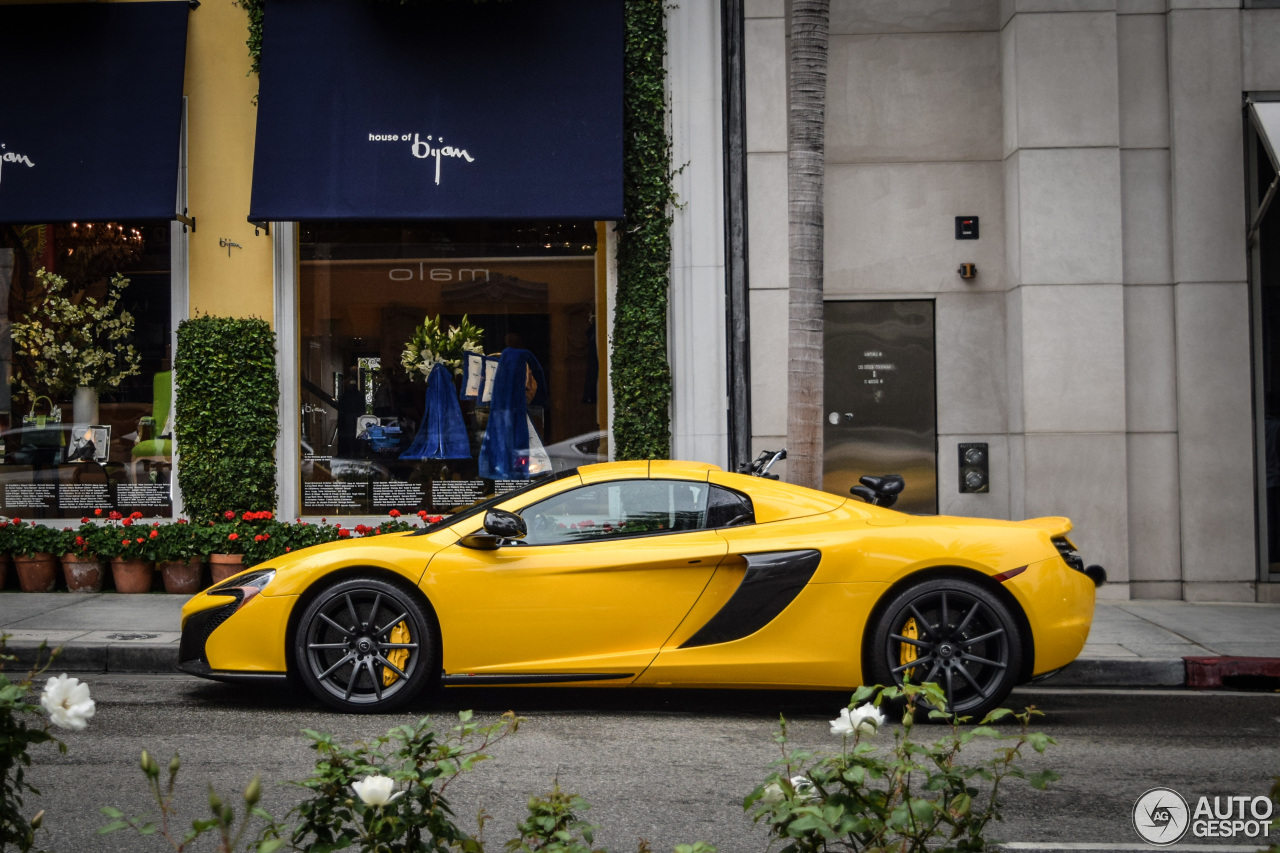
x,y
641,373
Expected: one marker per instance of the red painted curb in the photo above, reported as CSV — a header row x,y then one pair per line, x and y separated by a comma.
x,y
1209,671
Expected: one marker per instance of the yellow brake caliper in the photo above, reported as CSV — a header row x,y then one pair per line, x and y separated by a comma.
x,y
397,657
906,652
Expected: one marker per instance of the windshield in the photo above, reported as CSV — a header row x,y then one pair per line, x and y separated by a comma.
x,y
493,500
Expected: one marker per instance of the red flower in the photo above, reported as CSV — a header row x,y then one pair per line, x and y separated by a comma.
x,y
113,515
343,534
124,541
435,519
17,521
287,549
79,540
395,513
127,522
324,521
66,530
154,534
229,515
141,540
84,520
98,511
422,513
258,538
233,536
182,521
135,515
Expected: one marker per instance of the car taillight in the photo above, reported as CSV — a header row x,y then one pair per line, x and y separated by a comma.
x,y
1068,552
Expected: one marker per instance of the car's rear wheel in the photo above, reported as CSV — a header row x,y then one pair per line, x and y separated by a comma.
x,y
954,633
366,645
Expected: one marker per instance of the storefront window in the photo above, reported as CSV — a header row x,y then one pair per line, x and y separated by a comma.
x,y
86,405
519,390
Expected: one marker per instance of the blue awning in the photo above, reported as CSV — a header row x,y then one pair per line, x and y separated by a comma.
x,y
91,110
383,111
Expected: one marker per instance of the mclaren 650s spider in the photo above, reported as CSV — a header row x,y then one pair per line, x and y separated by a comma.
x,y
657,574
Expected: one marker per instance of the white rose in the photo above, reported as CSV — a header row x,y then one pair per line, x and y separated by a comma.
x,y
804,787
67,702
866,719
376,790
772,794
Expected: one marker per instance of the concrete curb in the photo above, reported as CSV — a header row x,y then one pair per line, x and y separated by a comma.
x,y
1122,672
124,657
143,657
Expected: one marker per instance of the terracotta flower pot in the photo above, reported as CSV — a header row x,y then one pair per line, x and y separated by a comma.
x,y
182,578
83,572
132,576
223,566
37,573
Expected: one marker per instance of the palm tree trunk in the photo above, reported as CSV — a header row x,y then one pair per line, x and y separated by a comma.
x,y
807,90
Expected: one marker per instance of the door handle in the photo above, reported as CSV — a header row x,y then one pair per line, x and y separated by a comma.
x,y
834,418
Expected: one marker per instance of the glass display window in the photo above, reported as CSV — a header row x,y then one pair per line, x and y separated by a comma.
x,y
442,363
85,349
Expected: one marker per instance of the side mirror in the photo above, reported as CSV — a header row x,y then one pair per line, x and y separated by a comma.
x,y
500,528
504,525
481,541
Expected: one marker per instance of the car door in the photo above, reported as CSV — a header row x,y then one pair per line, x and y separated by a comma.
x,y
606,573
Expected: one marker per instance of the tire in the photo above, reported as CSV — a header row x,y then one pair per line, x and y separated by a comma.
x,y
348,647
953,632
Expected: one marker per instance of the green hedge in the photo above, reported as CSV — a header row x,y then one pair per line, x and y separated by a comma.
x,y
225,415
641,373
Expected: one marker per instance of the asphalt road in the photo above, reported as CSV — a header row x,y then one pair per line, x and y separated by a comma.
x,y
669,766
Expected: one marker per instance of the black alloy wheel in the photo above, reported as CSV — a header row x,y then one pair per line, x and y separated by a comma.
x,y
366,645
954,633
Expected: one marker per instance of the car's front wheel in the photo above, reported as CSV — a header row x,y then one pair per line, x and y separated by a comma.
x,y
366,645
952,632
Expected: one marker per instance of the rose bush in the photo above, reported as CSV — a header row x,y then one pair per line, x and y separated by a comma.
x,y
68,705
910,797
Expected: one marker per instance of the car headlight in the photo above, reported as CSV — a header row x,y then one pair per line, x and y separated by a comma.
x,y
243,587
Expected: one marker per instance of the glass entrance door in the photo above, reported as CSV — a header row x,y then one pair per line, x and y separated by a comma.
x,y
880,397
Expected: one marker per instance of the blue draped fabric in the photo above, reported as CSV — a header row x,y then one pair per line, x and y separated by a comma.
x,y
443,434
504,454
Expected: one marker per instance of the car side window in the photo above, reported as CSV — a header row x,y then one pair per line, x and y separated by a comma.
x,y
617,509
727,508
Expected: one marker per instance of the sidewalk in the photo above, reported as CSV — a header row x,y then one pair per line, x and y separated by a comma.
x,y
1132,644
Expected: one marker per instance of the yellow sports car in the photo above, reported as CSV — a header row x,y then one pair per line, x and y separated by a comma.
x,y
658,574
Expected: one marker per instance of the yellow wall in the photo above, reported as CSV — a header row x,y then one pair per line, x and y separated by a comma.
x,y
221,118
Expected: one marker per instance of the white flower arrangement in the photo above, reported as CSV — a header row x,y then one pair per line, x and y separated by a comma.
x,y
75,340
433,344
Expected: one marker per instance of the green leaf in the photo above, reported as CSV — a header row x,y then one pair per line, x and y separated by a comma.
x,y
1043,778
922,810
997,714
1039,741
114,826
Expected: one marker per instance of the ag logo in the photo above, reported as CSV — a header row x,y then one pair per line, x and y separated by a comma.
x,y
1160,816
